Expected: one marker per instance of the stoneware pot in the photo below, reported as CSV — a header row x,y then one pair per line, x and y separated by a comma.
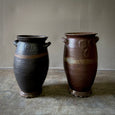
x,y
31,63
80,62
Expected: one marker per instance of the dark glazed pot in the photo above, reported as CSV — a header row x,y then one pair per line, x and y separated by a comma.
x,y
31,63
80,62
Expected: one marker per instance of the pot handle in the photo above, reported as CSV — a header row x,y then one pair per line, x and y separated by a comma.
x,y
96,38
47,44
15,42
65,40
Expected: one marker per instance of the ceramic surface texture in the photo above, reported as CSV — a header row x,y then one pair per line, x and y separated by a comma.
x,y
80,61
31,63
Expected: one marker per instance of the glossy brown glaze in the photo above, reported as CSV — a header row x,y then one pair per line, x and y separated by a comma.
x,y
31,63
80,62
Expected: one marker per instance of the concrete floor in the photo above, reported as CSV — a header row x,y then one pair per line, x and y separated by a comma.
x,y
55,99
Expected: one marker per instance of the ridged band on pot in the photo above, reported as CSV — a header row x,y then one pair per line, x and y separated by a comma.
x,y
71,60
31,56
80,61
31,62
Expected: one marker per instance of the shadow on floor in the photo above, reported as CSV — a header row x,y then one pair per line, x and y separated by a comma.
x,y
104,88
55,90
101,89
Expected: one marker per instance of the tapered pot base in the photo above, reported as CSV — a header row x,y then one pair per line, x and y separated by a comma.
x,y
80,94
30,95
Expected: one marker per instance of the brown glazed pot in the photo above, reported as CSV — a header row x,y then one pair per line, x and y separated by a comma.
x,y
31,63
80,62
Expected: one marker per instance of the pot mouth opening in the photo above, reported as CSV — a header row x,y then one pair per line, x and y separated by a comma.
x,y
80,33
32,36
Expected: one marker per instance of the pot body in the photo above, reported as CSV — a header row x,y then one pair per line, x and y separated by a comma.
x,y
31,64
80,62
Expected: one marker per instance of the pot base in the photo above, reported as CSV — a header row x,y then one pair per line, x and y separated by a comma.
x,y
80,94
29,95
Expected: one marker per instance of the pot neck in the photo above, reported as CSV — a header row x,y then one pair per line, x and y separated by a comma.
x,y
32,38
80,34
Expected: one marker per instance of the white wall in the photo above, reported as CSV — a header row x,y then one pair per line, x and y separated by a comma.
x,y
54,18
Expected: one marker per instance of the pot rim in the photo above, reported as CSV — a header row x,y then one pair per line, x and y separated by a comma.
x,y
32,36
80,33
